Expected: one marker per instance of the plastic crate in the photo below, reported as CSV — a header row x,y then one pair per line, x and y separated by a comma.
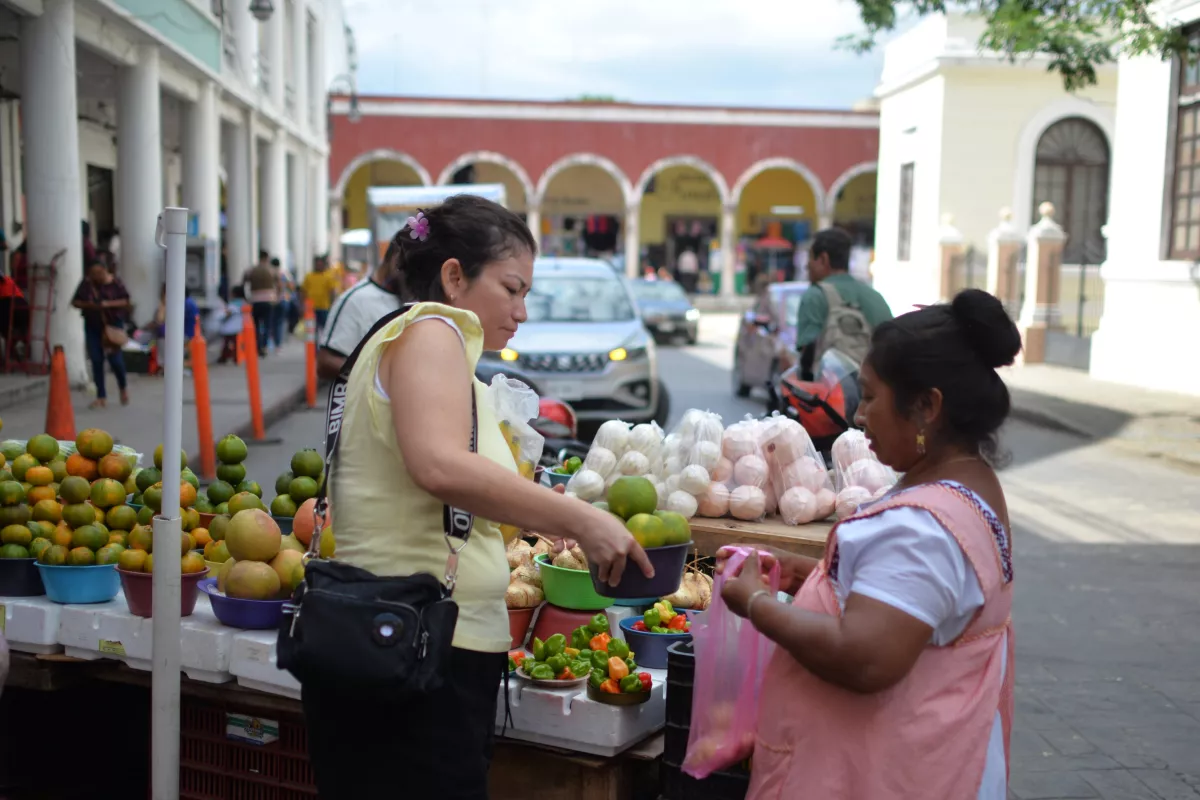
x,y
681,668
725,785
213,766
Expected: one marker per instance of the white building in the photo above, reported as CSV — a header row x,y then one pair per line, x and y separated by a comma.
x,y
111,109
964,134
1151,320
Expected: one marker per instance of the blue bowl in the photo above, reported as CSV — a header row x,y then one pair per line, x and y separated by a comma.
x,y
255,615
650,648
97,583
557,478
284,523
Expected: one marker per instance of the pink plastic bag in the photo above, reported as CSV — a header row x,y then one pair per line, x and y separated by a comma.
x,y
731,657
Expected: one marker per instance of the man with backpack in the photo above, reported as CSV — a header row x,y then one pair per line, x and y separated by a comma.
x,y
838,311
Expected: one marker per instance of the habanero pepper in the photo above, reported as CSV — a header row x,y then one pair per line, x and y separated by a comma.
x,y
595,678
557,663
617,668
600,642
542,672
600,662
647,682
679,622
599,623
539,649
618,648
610,686
631,684
555,644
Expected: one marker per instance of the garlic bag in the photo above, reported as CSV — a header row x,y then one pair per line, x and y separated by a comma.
x,y
612,436
601,460
587,485
689,454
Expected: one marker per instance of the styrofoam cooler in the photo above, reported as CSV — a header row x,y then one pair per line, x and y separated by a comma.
x,y
108,630
30,624
253,664
568,719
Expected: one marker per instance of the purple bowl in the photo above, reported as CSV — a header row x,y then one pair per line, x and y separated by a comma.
x,y
668,562
246,614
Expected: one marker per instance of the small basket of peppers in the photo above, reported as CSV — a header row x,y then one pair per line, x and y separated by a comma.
x,y
663,618
559,661
614,679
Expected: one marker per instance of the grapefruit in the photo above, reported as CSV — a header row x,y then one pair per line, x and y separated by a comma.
x,y
283,482
107,493
218,527
232,474
109,554
216,552
74,489
121,518
303,522
11,493
94,443
223,573
81,557
47,511
219,492
285,565
21,465
14,551
231,450
648,530
131,560
290,542
283,506
147,478
55,555
302,489
158,458
307,463
630,496
16,534
38,546
82,466
39,476
253,536
114,466
678,529
43,447
243,501
252,580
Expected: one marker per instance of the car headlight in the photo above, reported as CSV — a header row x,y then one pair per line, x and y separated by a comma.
x,y
508,354
692,314
626,353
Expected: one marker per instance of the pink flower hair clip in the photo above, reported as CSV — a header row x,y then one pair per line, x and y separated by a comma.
x,y
418,226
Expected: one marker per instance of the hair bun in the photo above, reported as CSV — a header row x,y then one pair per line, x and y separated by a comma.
x,y
987,327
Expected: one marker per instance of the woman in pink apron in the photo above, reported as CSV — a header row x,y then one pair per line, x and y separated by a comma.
x,y
892,678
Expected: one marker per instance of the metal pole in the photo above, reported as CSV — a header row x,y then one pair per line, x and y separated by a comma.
x,y
168,527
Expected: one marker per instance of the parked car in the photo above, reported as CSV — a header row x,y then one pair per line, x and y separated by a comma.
x,y
584,343
666,310
766,342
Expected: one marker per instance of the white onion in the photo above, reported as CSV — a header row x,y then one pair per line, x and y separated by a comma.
x,y
694,479
613,435
672,484
750,470
645,438
714,502
682,503
689,422
747,503
661,489
601,460
633,463
673,465
706,454
708,429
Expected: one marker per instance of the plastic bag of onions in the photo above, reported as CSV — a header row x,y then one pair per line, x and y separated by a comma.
x,y
689,455
800,481
861,478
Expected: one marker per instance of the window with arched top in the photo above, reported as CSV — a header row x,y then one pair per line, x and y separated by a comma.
x,y
1071,171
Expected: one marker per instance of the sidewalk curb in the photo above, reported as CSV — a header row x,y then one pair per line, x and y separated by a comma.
x,y
274,412
1045,419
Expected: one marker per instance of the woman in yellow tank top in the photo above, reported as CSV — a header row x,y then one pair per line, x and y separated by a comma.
x,y
404,454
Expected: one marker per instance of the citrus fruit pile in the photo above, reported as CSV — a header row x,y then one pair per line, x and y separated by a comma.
x,y
299,484
633,500
262,564
231,478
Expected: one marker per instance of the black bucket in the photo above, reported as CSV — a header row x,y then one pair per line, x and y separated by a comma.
x,y
19,577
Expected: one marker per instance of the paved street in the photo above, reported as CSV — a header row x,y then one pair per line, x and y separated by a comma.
x,y
1107,611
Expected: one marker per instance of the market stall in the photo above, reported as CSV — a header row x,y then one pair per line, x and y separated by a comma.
x,y
710,535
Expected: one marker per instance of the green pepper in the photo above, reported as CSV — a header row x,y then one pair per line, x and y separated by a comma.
x,y
585,655
511,664
599,624
539,649
660,629
629,662
600,662
555,644
596,678
631,683
542,672
651,618
557,663
581,668
573,464
580,637
618,648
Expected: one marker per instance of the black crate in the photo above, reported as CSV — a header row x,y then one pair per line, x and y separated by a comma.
x,y
680,671
723,785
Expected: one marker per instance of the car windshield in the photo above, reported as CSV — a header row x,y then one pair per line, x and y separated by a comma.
x,y
585,298
658,290
791,308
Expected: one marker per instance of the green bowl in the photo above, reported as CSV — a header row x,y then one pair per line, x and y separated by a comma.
x,y
570,588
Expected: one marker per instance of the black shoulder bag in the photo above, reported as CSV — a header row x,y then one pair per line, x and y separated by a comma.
x,y
390,635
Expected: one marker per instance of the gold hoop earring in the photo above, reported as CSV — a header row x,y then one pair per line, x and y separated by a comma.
x,y
921,443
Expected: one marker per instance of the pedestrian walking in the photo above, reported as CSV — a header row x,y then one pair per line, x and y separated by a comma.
x,y
404,458
263,284
105,304
898,650
320,287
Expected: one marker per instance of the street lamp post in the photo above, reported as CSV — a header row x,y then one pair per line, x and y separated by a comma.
x,y
262,9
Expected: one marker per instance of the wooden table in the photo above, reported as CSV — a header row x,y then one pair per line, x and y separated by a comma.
x,y
806,540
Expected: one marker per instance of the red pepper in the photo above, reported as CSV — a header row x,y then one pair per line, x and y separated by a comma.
x,y
600,642
517,656
644,677
639,626
679,622
610,686
566,675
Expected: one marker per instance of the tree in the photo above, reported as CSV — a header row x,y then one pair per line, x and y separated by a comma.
x,y
1077,35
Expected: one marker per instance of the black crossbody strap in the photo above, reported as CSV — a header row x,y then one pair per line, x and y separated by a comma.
x,y
456,523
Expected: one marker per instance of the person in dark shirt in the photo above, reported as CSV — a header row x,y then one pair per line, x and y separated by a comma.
x,y
104,302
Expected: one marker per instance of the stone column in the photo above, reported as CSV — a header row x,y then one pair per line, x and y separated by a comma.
x,y
52,200
728,250
274,198
275,37
201,154
633,239
245,38
300,57
254,153
239,251
1004,251
139,181
320,204
950,250
1043,271
533,218
298,213
333,213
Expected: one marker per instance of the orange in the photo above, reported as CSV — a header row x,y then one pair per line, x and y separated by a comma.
x,y
62,535
187,494
132,560
302,523
118,537
37,494
187,543
82,466
116,467
81,557
89,536
94,443
39,476
47,511
201,536
55,555
11,493
192,563
141,538
98,513
107,493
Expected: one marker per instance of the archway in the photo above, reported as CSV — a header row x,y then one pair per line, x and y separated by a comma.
x,y
1070,170
852,203
779,209
488,167
680,202
375,168
582,200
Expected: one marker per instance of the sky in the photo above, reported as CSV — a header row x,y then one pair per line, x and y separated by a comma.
x,y
778,53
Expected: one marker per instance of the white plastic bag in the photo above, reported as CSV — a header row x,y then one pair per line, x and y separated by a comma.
x,y
689,454
861,477
515,404
799,478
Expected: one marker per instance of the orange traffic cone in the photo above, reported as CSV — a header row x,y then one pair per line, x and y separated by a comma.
x,y
60,415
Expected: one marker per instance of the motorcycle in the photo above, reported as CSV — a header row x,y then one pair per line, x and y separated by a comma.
x,y
825,406
556,422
